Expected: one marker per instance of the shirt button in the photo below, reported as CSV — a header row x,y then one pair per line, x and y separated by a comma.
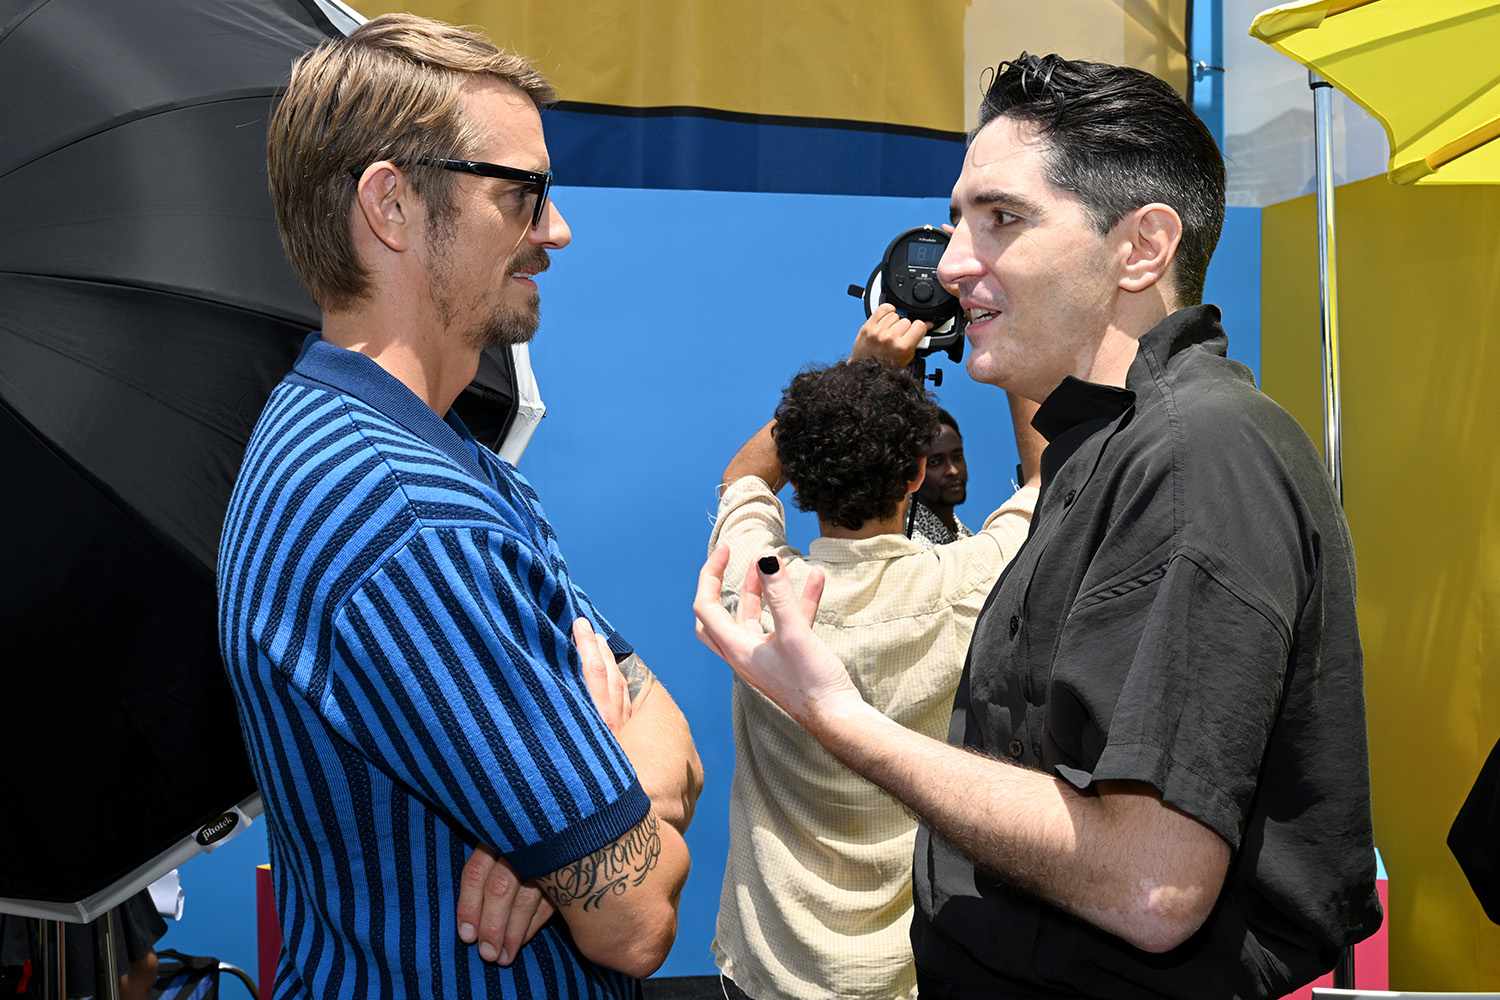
x,y
1015,749
1068,500
1015,625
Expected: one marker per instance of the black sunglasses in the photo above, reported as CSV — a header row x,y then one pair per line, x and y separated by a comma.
x,y
539,183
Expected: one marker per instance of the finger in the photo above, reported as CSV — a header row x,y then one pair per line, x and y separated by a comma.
x,y
722,635
594,676
812,594
750,596
947,227
619,695
499,897
538,920
786,611
471,893
872,323
907,339
889,324
702,634
522,913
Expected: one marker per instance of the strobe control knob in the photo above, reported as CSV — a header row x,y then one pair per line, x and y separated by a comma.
x,y
921,290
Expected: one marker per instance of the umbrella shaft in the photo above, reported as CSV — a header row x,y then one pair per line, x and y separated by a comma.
x,y
1343,973
1328,284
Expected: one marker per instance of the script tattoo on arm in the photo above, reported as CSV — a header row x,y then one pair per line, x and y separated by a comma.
x,y
610,871
638,677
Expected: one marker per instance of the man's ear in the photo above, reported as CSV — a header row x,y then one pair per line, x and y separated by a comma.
x,y
1152,233
916,484
384,201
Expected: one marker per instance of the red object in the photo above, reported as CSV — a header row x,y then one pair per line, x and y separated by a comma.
x,y
267,929
1372,956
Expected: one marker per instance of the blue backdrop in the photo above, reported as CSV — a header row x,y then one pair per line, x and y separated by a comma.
x,y
669,328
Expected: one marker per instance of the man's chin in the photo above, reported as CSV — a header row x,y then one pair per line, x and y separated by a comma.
x,y
507,331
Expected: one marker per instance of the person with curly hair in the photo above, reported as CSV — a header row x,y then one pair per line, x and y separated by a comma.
x,y
816,900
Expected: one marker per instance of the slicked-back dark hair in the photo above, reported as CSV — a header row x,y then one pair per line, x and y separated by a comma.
x,y
944,417
1119,138
850,438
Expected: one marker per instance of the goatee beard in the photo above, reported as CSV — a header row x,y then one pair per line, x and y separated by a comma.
x,y
505,326
508,327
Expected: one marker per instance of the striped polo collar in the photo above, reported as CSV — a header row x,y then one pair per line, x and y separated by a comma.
x,y
355,374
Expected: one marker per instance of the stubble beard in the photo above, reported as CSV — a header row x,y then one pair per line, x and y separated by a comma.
x,y
502,326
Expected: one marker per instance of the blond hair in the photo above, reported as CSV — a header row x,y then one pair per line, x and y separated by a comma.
x,y
390,91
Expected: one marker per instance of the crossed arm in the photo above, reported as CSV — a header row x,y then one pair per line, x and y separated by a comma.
x,y
620,902
1120,859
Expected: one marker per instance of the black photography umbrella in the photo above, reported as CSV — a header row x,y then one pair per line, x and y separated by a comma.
x,y
146,311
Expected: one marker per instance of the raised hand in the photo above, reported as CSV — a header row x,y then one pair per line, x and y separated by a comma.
x,y
788,664
889,338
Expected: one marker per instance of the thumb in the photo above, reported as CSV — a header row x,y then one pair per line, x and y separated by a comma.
x,y
776,587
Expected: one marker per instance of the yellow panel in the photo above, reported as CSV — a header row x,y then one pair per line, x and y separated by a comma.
x,y
1419,274
877,62
892,61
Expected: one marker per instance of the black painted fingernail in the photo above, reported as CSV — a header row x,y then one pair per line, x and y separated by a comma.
x,y
769,565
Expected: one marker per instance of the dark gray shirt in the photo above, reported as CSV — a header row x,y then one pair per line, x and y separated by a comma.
x,y
1182,614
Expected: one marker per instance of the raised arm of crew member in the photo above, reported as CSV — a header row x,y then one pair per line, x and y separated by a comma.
x,y
1121,859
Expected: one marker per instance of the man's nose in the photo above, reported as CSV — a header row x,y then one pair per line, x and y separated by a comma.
x,y
958,261
553,230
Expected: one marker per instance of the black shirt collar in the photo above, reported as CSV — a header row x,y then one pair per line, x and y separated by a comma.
x,y
358,375
1076,402
1190,327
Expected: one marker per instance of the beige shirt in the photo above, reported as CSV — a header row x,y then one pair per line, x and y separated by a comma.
x,y
817,889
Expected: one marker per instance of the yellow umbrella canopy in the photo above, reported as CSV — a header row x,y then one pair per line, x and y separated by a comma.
x,y
1429,70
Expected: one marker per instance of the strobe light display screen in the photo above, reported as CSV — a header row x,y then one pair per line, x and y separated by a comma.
x,y
923,254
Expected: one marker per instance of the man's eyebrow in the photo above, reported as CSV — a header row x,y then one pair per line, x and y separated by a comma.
x,y
995,198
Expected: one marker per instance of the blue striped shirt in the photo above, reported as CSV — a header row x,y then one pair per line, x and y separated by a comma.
x,y
395,615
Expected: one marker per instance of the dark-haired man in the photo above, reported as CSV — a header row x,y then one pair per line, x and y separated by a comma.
x,y
1159,781
817,888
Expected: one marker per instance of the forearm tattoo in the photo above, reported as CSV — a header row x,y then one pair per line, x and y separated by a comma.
x,y
609,871
638,676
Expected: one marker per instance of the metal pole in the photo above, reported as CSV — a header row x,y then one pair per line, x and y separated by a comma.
x,y
1328,276
52,960
106,976
1343,972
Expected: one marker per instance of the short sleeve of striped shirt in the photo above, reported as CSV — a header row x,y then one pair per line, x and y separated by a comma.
x,y
454,672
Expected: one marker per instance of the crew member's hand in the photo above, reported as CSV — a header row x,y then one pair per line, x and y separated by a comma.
x,y
789,664
496,910
888,338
